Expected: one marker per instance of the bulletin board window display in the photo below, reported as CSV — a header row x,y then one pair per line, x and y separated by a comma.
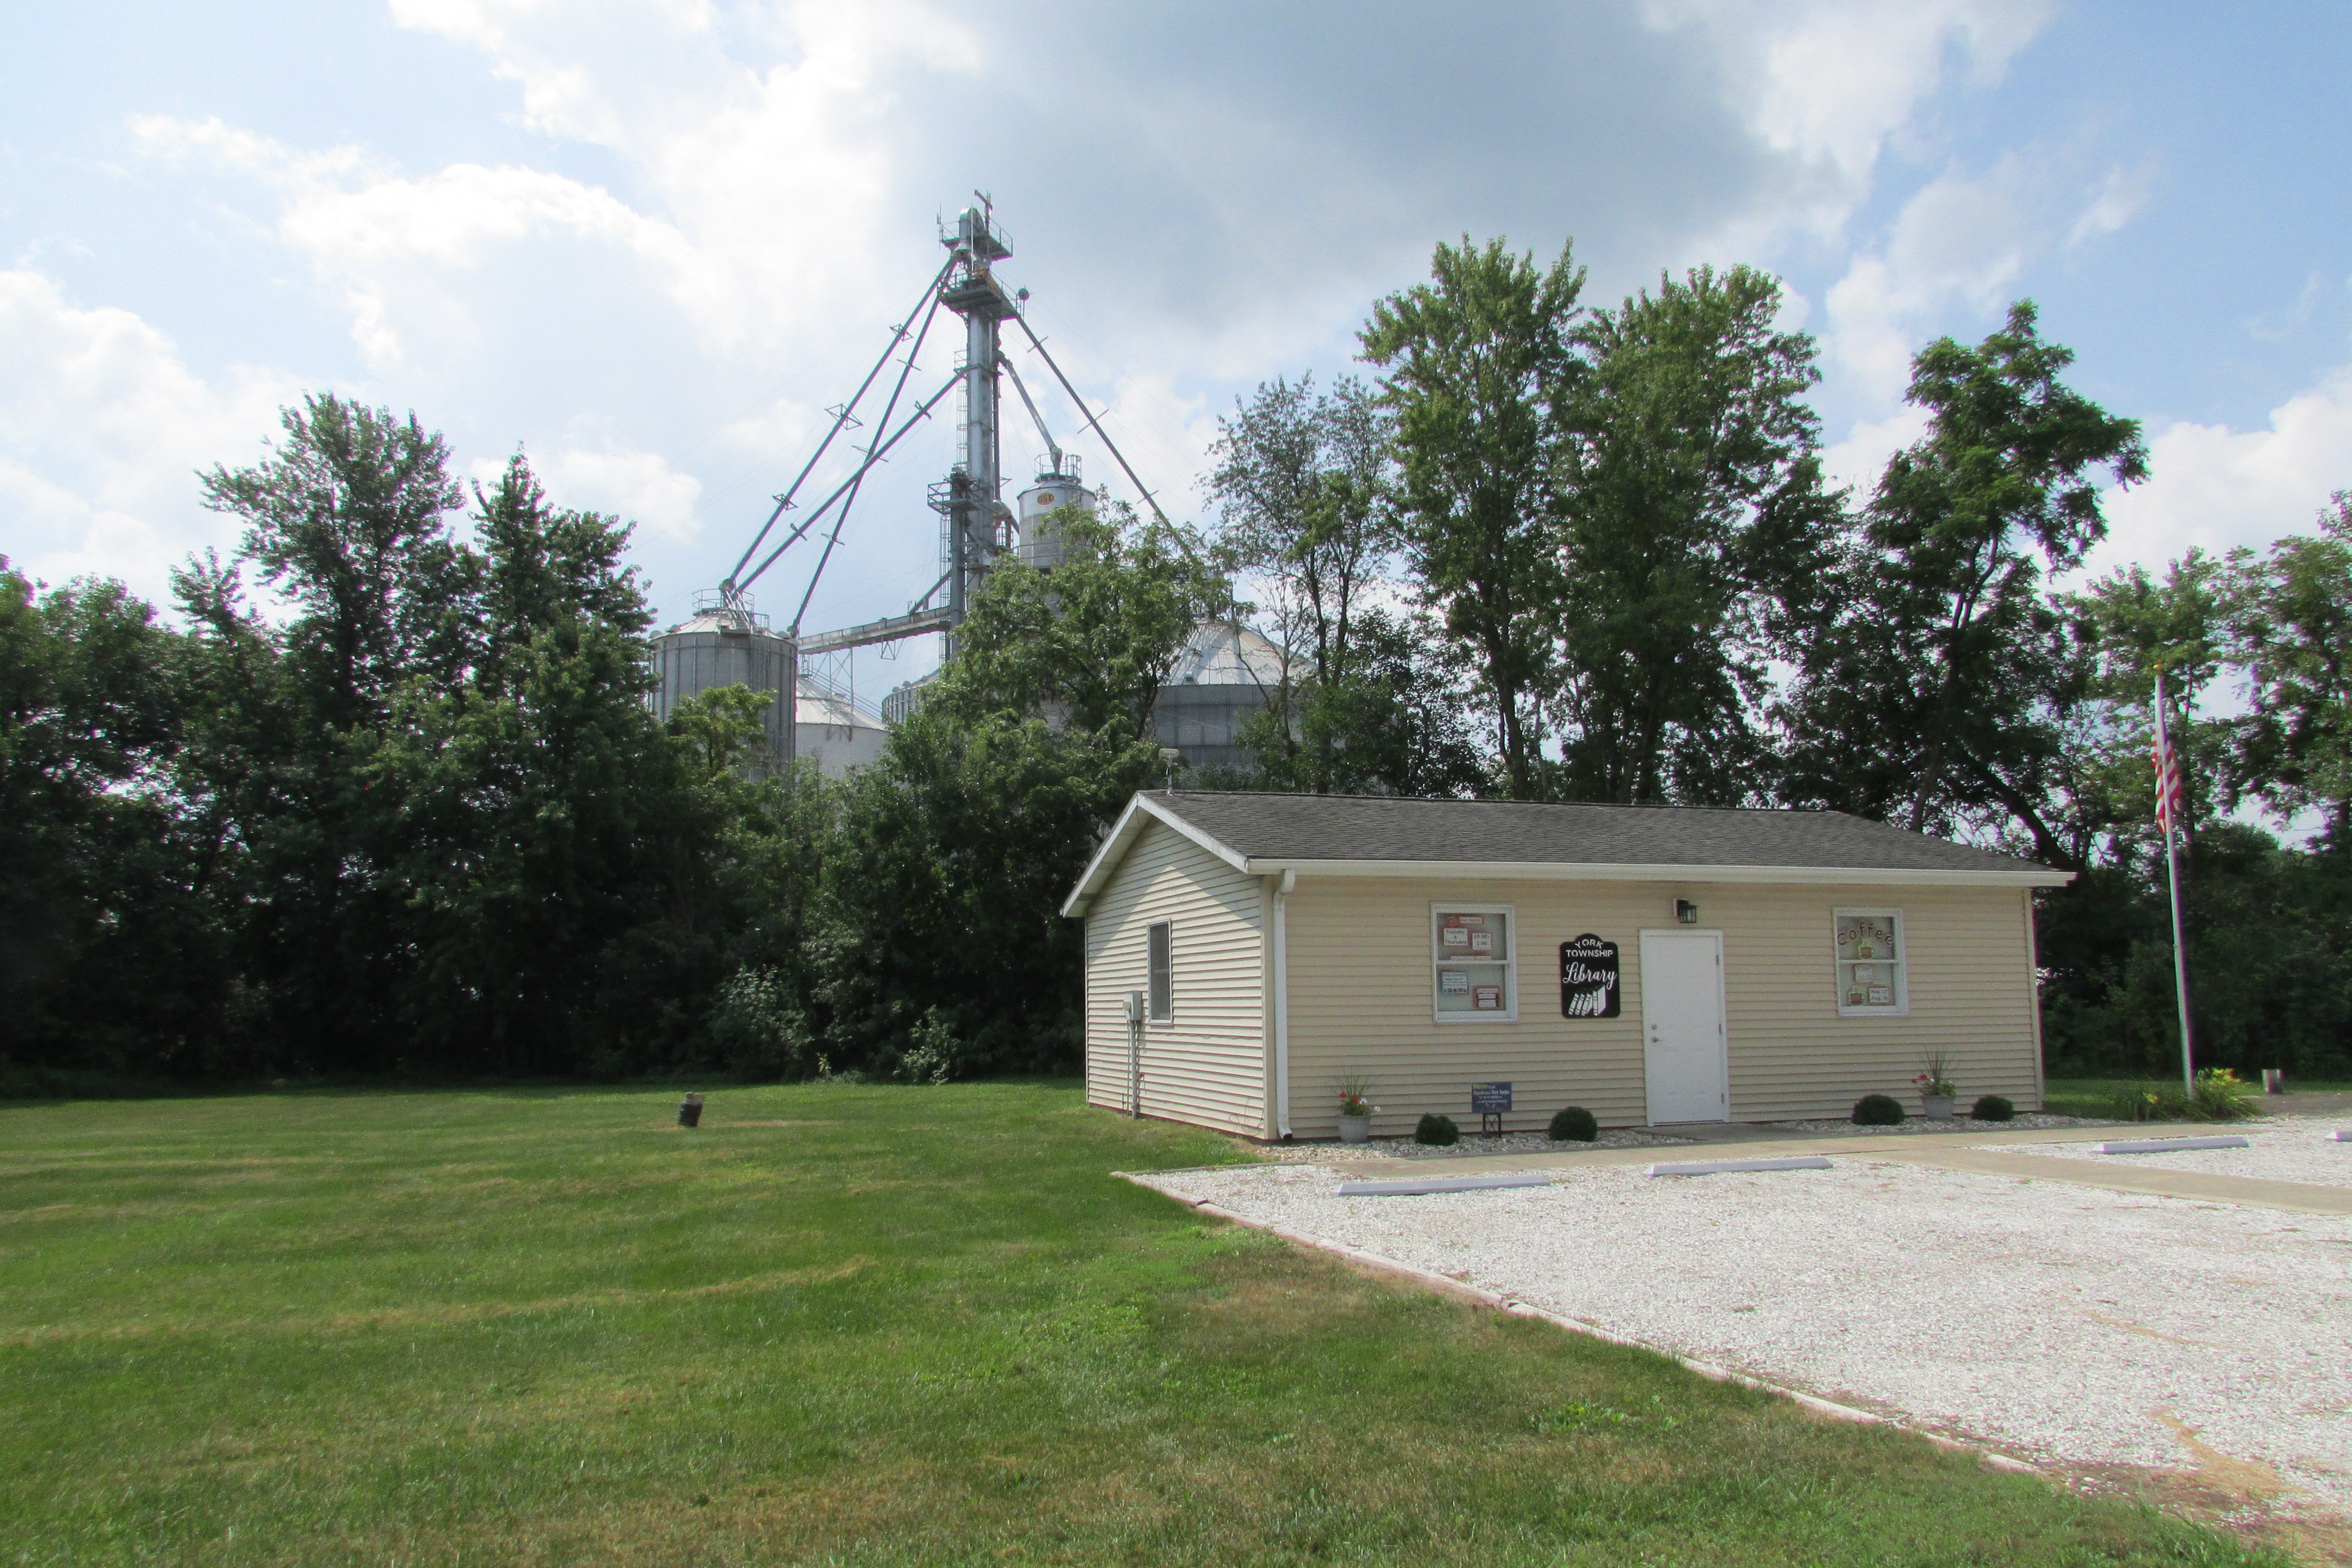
x,y
1473,953
1872,953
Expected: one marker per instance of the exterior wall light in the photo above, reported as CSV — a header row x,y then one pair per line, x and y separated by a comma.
x,y
1685,911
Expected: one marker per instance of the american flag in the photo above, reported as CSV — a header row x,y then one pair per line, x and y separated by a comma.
x,y
2171,793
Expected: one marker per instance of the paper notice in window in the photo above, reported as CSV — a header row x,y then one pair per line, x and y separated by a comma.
x,y
1454,937
1882,996
1482,943
1487,999
1451,982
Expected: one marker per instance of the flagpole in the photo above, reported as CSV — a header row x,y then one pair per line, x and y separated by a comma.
x,y
2164,814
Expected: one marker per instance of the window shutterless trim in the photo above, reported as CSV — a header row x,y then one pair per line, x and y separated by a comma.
x,y
1160,972
1898,966
1508,961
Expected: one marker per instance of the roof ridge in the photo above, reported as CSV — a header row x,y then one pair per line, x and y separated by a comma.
x,y
1476,800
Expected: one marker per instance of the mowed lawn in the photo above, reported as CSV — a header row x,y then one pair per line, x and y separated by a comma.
x,y
847,1325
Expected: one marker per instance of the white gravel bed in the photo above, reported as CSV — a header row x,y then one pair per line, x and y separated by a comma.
x,y
2023,1122
2065,1323
1320,1152
2278,1152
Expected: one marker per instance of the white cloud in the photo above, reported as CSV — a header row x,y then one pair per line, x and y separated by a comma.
x,y
1858,460
1831,82
636,487
1960,240
2216,489
102,430
768,180
2117,200
395,247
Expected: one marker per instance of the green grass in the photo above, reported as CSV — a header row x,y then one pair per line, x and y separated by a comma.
x,y
843,1325
2096,1096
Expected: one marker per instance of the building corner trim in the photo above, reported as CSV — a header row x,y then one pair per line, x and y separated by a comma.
x,y
1281,1003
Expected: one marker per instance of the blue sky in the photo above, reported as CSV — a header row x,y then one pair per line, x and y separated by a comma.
x,y
650,242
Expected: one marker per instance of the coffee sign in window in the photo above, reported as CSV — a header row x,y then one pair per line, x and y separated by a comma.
x,y
1871,957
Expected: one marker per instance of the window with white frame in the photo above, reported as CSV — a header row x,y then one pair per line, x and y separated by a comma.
x,y
1160,940
1475,969
1872,953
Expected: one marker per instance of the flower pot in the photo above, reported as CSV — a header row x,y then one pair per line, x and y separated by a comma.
x,y
1355,1129
1936,1107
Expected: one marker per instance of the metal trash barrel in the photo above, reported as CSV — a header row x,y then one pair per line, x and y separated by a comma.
x,y
689,1111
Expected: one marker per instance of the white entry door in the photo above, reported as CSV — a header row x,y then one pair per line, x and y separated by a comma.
x,y
1683,1049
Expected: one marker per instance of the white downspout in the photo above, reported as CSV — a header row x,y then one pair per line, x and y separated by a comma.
x,y
1281,1003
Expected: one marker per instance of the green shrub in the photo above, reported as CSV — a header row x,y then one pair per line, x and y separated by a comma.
x,y
1574,1125
931,1051
1992,1108
759,1028
2220,1096
1436,1129
2159,1104
1878,1111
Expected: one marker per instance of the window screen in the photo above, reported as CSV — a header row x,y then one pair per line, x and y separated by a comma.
x,y
1162,1005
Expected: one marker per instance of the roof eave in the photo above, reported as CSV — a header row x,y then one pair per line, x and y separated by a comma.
x,y
1561,871
1129,826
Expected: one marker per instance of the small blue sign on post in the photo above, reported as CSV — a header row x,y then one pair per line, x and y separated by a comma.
x,y
1489,1101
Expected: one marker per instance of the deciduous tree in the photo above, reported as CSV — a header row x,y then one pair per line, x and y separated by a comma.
x,y
1694,533
1479,362
2289,625
1934,695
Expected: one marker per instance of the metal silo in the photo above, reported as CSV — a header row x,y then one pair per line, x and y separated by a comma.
x,y
1226,673
727,645
1042,544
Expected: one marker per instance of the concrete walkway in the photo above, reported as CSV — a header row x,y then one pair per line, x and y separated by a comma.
x,y
1940,1151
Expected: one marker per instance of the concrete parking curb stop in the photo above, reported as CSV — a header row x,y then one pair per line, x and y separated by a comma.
x,y
1464,1290
1722,1167
1417,1188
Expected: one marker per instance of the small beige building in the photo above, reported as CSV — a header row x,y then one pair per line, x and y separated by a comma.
x,y
1655,964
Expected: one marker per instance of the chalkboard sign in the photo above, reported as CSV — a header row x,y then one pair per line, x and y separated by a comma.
x,y
1588,978
1489,1098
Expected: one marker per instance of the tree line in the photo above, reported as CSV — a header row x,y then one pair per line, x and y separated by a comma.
x,y
422,821
420,818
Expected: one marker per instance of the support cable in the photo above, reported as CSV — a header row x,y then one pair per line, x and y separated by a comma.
x,y
931,297
906,369
1052,448
1092,423
873,456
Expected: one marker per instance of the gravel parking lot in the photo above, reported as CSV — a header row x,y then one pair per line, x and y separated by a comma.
x,y
2285,1151
2055,1322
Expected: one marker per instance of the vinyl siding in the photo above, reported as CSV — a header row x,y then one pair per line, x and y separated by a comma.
x,y
1359,974
1207,1065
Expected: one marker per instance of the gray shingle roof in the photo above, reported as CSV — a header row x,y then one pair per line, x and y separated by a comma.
x,y
1283,827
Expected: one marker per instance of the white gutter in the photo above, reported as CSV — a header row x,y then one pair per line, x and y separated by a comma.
x,y
1281,1003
